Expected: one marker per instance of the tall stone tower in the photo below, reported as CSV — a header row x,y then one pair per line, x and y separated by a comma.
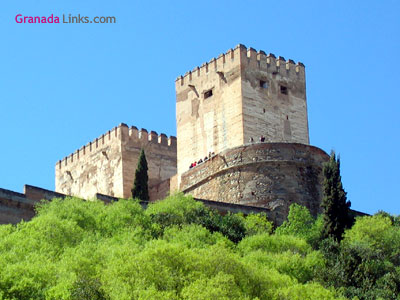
x,y
238,97
226,106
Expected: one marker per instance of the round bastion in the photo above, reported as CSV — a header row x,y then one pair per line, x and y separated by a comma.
x,y
268,175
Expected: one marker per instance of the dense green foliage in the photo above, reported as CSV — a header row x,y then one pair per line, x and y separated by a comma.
x,y
300,223
336,208
140,186
179,249
367,261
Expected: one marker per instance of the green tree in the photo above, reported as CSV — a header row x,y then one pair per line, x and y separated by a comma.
x,y
257,223
140,188
302,224
366,263
335,206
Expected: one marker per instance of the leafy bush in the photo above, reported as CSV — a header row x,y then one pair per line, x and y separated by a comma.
x,y
366,263
274,244
257,223
179,210
302,268
300,223
377,233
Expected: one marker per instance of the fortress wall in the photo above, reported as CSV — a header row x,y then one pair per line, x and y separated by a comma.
x,y
214,123
37,193
94,168
15,207
160,154
160,191
267,110
269,175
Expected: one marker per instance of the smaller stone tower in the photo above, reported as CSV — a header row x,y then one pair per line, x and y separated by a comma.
x,y
238,97
107,165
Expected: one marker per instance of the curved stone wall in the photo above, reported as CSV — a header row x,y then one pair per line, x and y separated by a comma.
x,y
269,175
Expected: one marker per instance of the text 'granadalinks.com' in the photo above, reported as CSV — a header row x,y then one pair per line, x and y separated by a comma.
x,y
65,19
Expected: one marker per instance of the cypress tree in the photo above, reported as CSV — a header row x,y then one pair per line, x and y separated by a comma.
x,y
140,188
336,208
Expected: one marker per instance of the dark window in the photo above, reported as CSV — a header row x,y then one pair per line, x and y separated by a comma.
x,y
208,94
284,90
263,84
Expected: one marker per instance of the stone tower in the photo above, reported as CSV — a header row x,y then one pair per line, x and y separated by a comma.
x,y
226,106
240,96
107,165
223,108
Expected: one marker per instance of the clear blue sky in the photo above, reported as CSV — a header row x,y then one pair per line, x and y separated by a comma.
x,y
63,85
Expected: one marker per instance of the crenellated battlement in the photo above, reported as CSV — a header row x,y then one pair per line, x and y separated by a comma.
x,y
117,134
249,57
143,136
85,150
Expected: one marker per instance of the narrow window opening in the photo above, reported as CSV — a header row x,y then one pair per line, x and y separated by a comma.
x,y
208,94
263,84
287,117
284,90
264,110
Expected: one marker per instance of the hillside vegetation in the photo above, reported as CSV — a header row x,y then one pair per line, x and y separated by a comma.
x,y
179,249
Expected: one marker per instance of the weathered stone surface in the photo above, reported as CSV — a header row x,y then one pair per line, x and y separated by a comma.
x,y
160,154
269,175
253,95
15,207
107,165
160,190
94,168
214,123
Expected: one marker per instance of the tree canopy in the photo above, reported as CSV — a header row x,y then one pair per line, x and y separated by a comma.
x,y
179,249
336,208
140,186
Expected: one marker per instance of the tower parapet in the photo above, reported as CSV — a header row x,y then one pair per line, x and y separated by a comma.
x,y
249,57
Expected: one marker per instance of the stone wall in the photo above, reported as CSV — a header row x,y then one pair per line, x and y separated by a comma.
x,y
160,190
160,154
240,95
15,207
107,165
94,168
269,175
278,115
